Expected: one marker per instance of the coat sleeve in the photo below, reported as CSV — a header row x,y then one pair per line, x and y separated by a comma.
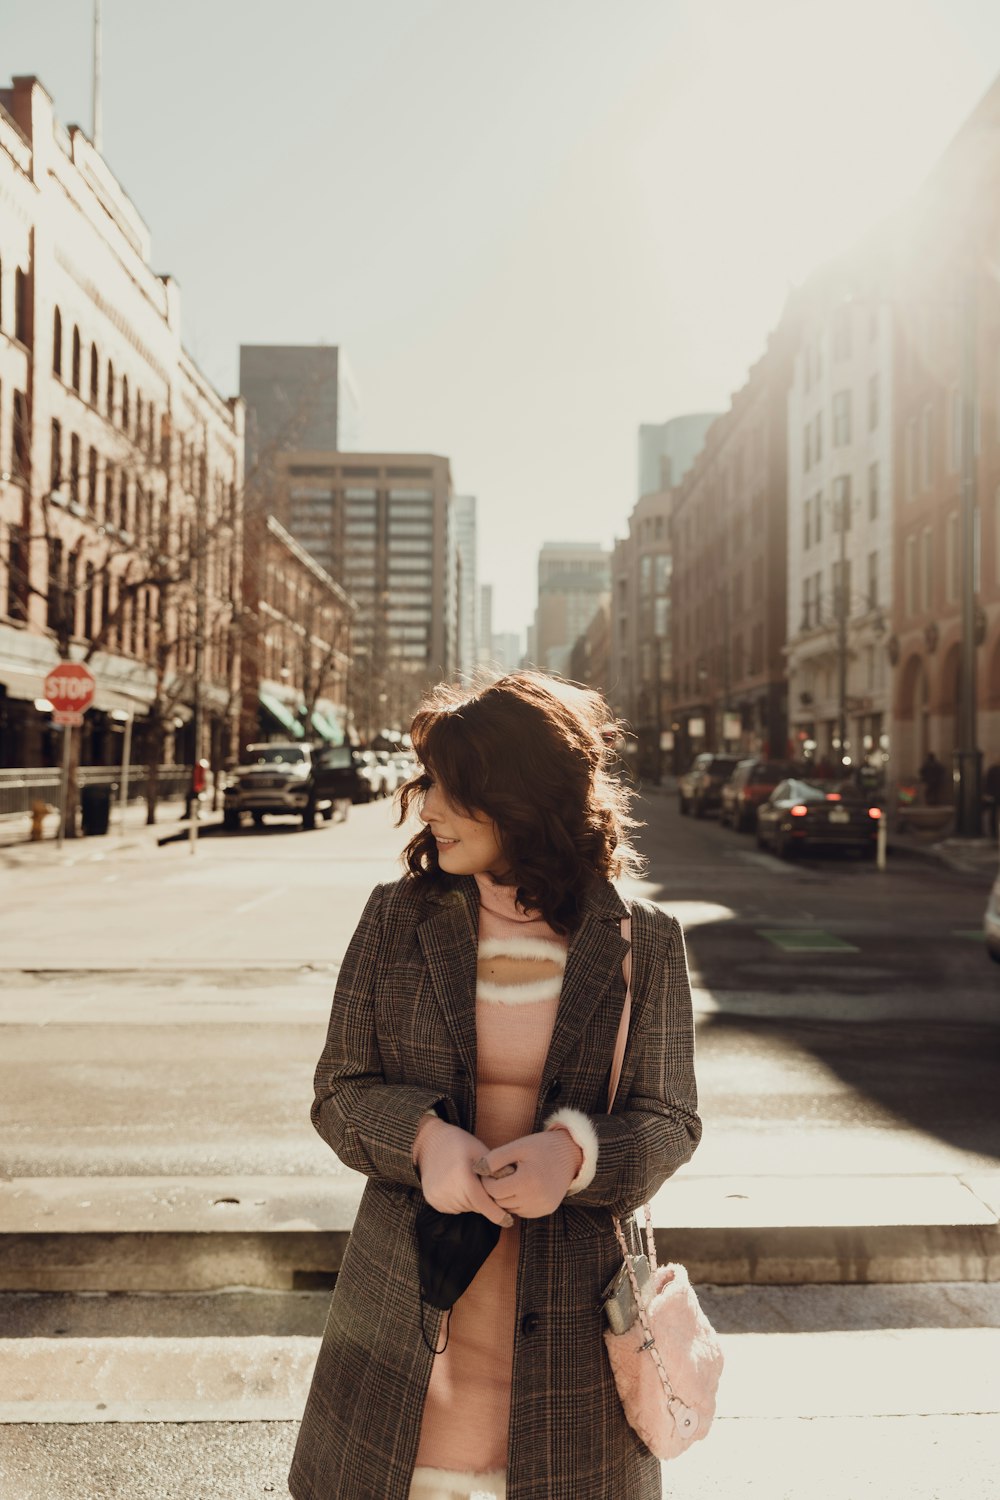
x,y
642,1144
369,1123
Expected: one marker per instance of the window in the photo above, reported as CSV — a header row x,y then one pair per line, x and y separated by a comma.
x,y
910,575
872,403
54,602
926,571
55,460
124,511
952,558
818,516
873,491
74,468
806,603
17,573
20,449
842,503
110,511
126,411
92,481
819,435
840,577
806,533
21,319
955,431
910,459
927,448
165,441
77,359
807,448
873,580
842,333
57,340
841,419
95,374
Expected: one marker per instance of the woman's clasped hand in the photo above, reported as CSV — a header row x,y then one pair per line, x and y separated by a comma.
x,y
445,1156
544,1164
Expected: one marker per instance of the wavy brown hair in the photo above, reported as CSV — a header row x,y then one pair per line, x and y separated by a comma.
x,y
535,755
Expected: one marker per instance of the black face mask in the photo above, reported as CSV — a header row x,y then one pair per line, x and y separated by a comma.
x,y
450,1250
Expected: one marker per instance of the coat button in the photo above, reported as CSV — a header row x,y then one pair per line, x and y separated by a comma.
x,y
553,1091
529,1323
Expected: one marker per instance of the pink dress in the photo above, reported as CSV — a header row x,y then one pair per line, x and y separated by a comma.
x,y
463,1439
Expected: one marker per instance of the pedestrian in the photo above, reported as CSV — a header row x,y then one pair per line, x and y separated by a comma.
x,y
932,775
466,1069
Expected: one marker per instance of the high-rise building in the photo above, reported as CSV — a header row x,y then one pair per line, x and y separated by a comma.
x,y
507,650
574,579
381,525
486,625
464,529
668,449
297,396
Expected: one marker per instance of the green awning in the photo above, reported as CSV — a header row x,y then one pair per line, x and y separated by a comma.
x,y
327,728
282,713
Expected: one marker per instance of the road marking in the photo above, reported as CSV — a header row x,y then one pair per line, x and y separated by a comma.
x,y
805,940
279,890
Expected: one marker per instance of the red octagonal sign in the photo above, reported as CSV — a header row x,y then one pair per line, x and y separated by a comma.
x,y
69,687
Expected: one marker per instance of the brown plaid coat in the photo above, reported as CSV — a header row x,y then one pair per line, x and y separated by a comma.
x,y
402,1039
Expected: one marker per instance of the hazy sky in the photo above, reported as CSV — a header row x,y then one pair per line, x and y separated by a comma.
x,y
532,225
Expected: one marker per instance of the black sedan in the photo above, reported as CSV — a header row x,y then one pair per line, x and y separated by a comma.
x,y
817,814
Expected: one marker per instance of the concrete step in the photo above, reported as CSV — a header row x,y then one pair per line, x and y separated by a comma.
x,y
195,1233
884,1372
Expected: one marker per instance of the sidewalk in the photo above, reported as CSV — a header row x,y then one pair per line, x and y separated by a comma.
x,y
16,844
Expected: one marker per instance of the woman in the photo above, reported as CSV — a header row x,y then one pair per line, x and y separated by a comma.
x,y
466,1065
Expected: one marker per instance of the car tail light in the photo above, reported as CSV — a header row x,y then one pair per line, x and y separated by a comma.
x,y
800,811
874,812
833,797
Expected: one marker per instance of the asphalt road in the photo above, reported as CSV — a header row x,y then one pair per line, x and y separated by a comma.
x,y
162,1013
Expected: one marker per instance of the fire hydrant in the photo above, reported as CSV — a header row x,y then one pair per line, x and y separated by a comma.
x,y
39,812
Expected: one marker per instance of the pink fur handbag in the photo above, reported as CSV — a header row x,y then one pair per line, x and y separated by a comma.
x,y
668,1363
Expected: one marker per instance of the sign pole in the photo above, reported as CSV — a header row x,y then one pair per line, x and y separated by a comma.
x,y
126,760
64,786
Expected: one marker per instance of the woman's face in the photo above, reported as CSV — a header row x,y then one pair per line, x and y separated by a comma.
x,y
465,845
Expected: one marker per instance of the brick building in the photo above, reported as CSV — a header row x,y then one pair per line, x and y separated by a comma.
x,y
728,535
296,647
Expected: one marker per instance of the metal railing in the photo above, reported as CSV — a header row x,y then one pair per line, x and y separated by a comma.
x,y
20,786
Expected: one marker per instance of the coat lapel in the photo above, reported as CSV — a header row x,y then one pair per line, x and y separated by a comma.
x,y
449,940
593,963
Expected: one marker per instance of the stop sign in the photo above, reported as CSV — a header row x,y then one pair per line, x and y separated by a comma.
x,y
69,687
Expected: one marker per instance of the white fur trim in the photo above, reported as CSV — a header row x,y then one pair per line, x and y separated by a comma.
x,y
519,994
450,1484
581,1128
523,947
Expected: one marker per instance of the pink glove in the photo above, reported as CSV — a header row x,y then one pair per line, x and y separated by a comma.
x,y
443,1154
544,1166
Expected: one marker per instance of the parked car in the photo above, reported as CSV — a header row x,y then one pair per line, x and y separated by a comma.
x,y
751,783
378,776
281,778
699,790
991,922
817,814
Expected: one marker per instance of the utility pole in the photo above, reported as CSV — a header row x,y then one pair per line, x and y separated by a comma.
x,y
96,130
841,608
968,759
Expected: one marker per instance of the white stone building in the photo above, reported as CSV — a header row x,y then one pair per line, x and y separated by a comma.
x,y
119,463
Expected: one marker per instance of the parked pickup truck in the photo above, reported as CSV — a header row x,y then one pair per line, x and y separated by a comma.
x,y
290,778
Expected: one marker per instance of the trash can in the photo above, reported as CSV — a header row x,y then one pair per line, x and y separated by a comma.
x,y
95,808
